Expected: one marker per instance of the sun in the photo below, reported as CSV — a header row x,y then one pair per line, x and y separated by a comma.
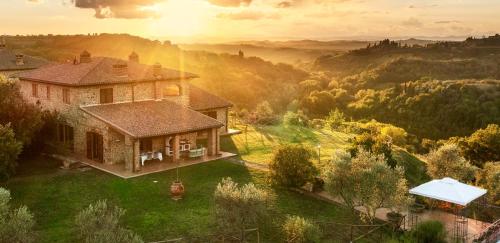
x,y
180,18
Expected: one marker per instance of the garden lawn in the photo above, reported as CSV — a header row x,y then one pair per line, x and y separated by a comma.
x,y
256,143
56,196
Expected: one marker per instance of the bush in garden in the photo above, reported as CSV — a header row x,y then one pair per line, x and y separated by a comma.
x,y
291,166
295,119
10,149
239,208
100,223
429,232
16,225
299,230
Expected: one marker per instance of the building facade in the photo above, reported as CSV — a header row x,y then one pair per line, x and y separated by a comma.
x,y
116,111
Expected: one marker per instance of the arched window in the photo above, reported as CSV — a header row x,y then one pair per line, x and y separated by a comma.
x,y
171,90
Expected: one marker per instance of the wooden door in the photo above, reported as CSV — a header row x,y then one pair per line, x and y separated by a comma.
x,y
95,148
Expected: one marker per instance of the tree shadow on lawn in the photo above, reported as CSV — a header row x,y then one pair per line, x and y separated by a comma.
x,y
36,165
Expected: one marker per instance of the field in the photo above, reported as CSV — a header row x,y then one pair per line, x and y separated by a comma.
x,y
56,196
256,143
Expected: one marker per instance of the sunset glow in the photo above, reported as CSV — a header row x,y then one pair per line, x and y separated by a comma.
x,y
212,20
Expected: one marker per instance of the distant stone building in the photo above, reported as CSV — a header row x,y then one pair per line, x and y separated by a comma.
x,y
116,111
12,62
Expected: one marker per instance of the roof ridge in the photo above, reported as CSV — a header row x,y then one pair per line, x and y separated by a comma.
x,y
92,69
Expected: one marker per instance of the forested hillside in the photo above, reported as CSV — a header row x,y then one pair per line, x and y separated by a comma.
x,y
443,89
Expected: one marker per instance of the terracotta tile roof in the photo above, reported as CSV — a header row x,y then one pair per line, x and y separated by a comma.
x,y
200,99
151,118
8,61
100,71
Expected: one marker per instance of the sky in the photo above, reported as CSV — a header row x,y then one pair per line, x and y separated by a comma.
x,y
233,20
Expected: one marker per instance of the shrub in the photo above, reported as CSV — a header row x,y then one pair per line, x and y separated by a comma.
x,y
291,166
264,114
16,225
101,223
10,149
429,232
298,230
238,208
295,119
335,119
398,135
446,161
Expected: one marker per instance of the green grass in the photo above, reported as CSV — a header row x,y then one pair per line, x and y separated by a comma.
x,y
56,196
256,143
415,169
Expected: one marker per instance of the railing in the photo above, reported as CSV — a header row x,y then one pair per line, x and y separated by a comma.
x,y
490,234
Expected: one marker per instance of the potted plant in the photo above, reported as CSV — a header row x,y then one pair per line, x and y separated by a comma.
x,y
397,204
177,188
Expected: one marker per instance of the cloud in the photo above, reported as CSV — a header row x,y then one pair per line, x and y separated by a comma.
x,y
284,4
448,22
412,22
230,3
130,9
423,6
248,15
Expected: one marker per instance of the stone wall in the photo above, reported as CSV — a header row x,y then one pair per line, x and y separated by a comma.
x,y
222,116
53,101
137,92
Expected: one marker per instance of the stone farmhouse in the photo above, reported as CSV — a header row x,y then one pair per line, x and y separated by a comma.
x,y
123,116
12,62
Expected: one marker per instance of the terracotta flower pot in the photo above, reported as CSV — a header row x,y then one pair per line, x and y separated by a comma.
x,y
177,190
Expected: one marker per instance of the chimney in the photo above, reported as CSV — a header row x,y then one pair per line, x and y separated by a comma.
x,y
157,70
120,69
133,57
85,57
19,59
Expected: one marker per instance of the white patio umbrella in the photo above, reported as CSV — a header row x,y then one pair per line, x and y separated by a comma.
x,y
449,190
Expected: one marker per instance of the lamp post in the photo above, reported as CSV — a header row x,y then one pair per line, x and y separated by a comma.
x,y
319,153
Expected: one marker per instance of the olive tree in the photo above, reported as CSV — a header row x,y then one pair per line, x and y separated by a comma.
x,y
16,225
240,207
365,180
100,223
446,161
10,149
